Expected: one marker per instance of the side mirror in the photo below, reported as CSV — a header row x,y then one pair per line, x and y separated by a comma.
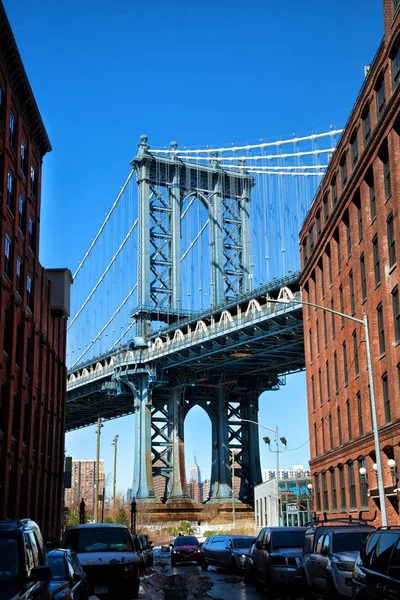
x,y
76,578
42,573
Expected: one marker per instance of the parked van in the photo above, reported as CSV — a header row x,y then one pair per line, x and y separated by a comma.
x,y
108,557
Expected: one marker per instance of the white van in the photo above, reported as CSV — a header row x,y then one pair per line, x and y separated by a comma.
x,y
108,558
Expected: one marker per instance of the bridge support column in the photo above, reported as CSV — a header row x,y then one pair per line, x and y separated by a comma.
x,y
221,489
142,487
177,485
251,465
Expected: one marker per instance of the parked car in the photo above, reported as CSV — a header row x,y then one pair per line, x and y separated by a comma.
x,y
24,572
376,573
329,555
226,551
275,557
68,579
137,546
108,558
147,549
186,548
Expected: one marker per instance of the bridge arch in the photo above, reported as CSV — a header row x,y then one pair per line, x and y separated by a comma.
x,y
199,450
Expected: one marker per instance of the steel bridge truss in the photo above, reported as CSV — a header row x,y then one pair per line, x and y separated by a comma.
x,y
165,183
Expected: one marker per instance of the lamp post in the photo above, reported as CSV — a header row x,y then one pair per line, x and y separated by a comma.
x,y
309,498
364,323
277,451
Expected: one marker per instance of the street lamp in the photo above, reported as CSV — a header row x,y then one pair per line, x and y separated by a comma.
x,y
364,323
395,476
277,451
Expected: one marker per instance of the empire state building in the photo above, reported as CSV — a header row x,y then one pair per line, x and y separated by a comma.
x,y
194,474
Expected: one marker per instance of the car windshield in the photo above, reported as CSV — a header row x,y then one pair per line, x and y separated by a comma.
x,y
99,539
57,566
348,541
287,539
8,558
184,540
242,542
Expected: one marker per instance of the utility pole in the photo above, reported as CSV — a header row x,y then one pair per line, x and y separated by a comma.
x,y
97,481
115,443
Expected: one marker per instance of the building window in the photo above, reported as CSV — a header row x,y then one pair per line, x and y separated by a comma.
x,y
357,204
315,439
380,96
335,366
396,314
369,180
33,180
19,276
318,223
391,240
2,103
325,203
333,319
341,299
333,491
352,298
305,256
321,272
325,331
29,356
310,344
328,254
317,494
360,415
366,124
395,61
323,436
21,214
336,236
328,381
10,191
384,156
23,157
317,332
355,349
31,235
15,418
342,486
8,256
320,385
26,424
339,424
343,170
386,398
363,278
29,292
346,221
348,412
354,148
8,330
377,269
13,130
363,485
313,391
324,485
334,190
345,366
352,486
381,329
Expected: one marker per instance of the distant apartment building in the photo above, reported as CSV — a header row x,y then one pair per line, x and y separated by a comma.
x,y
34,306
296,472
83,483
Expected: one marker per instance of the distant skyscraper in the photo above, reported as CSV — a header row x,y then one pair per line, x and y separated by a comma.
x,y
195,472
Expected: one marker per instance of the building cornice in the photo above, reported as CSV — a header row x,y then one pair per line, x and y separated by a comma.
x,y
16,74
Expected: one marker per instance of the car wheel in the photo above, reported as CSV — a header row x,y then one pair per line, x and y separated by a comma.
x,y
135,591
204,565
233,567
247,577
173,562
332,594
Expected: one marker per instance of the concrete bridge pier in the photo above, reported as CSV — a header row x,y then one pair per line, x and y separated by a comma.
x,y
221,481
142,487
177,484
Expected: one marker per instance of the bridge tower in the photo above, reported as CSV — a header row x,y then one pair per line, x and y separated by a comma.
x,y
164,183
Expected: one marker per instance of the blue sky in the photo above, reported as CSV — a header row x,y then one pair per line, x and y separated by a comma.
x,y
209,72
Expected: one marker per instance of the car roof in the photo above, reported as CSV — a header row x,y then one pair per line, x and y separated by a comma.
x,y
340,528
59,552
96,525
272,529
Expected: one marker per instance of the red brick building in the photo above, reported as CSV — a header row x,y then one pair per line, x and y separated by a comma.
x,y
34,304
350,248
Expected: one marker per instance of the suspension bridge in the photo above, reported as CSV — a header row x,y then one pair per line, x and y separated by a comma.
x,y
176,302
